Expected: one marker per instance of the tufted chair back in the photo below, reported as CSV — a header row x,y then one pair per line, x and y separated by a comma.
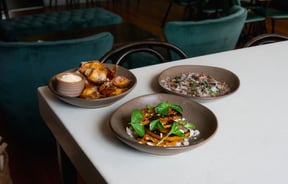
x,y
15,28
208,36
27,65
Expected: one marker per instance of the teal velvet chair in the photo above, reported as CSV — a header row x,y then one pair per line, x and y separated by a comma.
x,y
14,29
208,36
27,65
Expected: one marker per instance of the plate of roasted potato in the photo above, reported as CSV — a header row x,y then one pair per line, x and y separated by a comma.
x,y
104,84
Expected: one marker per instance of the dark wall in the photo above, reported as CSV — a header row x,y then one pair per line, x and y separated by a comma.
x,y
18,4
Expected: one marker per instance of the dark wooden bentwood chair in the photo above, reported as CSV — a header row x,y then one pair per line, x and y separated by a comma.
x,y
143,51
265,39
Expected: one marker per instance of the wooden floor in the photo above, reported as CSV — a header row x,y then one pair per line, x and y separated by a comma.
x,y
35,166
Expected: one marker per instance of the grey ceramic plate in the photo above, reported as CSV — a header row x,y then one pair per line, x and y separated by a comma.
x,y
219,74
96,103
204,120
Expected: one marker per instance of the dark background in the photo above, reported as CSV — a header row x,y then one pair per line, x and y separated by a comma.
x,y
19,4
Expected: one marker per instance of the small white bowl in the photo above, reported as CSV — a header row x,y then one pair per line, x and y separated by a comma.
x,y
70,84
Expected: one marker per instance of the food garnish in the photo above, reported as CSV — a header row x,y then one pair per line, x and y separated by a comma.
x,y
70,77
100,81
196,85
161,125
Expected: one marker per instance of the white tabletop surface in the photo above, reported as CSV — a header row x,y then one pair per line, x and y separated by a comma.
x,y
249,147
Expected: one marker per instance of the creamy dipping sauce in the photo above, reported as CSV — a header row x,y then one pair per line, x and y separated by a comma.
x,y
69,77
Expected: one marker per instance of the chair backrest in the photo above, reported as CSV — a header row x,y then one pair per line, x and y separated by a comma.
x,y
27,65
146,53
208,36
265,39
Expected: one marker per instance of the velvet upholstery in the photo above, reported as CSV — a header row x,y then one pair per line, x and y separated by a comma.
x,y
208,36
27,65
15,28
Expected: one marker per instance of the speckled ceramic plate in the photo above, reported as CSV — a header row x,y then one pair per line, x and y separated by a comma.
x,y
204,120
220,74
96,103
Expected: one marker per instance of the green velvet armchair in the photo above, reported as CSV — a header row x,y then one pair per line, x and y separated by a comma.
x,y
208,36
27,65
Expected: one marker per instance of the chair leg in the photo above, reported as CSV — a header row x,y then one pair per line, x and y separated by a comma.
x,y
127,4
73,3
166,14
186,13
253,29
138,3
53,3
245,34
89,3
4,8
77,3
273,25
263,27
67,3
108,3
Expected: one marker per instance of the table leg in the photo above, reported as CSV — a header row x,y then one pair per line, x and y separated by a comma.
x,y
68,174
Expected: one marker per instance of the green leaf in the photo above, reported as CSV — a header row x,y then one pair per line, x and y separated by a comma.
x,y
182,122
149,108
136,118
175,130
186,124
162,108
160,126
139,129
176,107
155,124
190,126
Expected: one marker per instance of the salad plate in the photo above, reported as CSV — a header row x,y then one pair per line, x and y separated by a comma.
x,y
204,120
198,82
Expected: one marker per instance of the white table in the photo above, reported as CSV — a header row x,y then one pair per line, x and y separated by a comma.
x,y
250,145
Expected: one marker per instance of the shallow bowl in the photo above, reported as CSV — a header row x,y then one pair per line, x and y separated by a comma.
x,y
204,120
95,103
220,74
